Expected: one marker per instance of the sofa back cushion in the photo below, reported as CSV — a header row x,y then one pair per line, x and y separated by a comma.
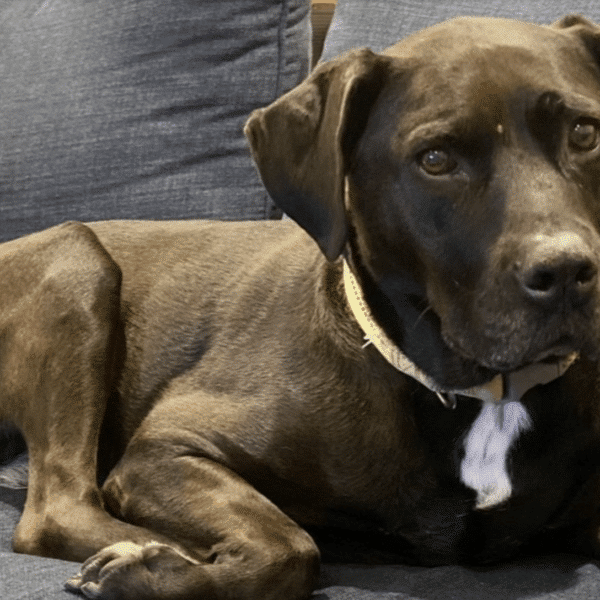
x,y
134,108
377,24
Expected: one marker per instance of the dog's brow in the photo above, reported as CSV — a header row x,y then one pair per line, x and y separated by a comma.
x,y
428,132
457,129
581,104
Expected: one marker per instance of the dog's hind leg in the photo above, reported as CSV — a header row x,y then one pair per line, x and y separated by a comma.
x,y
59,303
59,306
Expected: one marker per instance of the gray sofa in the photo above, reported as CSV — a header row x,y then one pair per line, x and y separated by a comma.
x,y
133,109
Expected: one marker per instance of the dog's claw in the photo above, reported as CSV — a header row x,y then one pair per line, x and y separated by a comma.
x,y
73,584
88,589
91,590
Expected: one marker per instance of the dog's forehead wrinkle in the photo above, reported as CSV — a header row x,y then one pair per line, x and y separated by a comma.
x,y
568,103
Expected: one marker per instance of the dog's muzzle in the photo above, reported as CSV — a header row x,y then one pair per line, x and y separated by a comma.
x,y
505,387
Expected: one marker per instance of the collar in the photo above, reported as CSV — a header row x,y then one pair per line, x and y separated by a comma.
x,y
502,388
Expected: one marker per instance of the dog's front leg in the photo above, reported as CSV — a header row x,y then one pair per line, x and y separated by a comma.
x,y
238,544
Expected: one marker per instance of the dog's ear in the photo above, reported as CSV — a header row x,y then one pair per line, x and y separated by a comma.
x,y
301,143
586,30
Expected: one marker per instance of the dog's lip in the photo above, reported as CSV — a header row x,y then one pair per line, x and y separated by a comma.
x,y
563,347
553,355
550,356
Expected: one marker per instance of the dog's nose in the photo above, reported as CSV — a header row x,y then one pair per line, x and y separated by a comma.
x,y
558,268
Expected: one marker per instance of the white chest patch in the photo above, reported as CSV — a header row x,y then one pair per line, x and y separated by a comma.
x,y
484,467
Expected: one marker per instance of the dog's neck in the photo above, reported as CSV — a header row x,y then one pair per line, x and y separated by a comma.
x,y
502,388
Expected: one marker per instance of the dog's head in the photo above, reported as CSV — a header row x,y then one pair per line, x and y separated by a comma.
x,y
459,172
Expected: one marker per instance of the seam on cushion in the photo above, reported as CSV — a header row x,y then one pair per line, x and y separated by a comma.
x,y
281,45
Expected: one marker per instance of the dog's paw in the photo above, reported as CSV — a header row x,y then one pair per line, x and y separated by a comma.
x,y
126,570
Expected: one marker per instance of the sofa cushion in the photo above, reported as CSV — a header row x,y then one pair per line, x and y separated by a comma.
x,y
377,24
559,577
35,578
11,505
546,578
135,108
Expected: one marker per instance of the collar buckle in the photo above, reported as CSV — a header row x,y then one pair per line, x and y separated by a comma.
x,y
448,400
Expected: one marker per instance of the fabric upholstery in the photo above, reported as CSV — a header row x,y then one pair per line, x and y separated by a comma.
x,y
134,108
377,24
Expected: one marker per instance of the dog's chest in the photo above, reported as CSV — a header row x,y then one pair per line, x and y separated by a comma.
x,y
479,453
487,447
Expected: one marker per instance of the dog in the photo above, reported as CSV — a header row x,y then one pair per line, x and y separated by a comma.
x,y
413,368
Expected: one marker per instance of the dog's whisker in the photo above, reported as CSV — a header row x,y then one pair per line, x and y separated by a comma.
x,y
428,308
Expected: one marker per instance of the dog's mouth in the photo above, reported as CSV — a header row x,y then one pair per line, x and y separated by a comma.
x,y
460,346
507,360
557,353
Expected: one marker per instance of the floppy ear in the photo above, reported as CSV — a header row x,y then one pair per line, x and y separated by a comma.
x,y
588,32
302,141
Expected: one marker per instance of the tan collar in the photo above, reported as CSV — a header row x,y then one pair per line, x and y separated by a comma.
x,y
503,387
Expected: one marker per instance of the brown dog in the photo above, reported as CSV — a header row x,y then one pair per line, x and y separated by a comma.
x,y
220,372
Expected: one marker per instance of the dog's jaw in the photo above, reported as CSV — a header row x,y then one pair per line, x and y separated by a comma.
x,y
503,388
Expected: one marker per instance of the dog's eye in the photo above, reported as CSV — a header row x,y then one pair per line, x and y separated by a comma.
x,y
584,136
436,162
